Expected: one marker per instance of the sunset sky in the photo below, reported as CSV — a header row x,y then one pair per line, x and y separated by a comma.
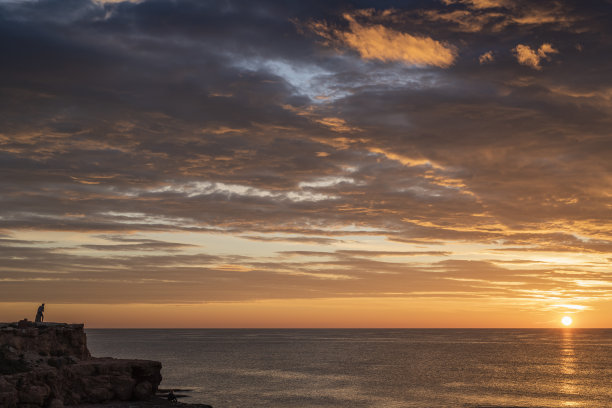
x,y
191,163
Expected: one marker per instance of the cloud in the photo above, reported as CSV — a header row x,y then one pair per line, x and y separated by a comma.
x,y
499,15
464,20
117,1
66,275
527,56
377,42
369,254
486,58
212,144
479,4
555,15
303,239
546,49
204,188
138,245
337,125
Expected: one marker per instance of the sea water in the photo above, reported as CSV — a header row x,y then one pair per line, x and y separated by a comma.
x,y
375,368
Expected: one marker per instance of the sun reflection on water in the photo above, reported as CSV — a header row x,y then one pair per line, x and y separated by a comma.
x,y
569,385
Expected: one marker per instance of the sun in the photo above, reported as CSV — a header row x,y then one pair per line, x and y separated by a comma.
x,y
566,320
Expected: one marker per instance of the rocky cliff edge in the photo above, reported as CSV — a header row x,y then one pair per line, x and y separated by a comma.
x,y
48,365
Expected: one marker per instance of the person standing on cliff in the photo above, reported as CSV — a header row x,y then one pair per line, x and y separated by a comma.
x,y
39,314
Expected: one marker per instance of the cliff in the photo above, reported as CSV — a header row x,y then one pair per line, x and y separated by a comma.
x,y
48,365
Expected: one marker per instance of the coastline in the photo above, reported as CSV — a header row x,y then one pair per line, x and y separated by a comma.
x,y
154,402
48,365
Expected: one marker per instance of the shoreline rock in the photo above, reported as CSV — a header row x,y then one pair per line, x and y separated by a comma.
x,y
155,402
48,365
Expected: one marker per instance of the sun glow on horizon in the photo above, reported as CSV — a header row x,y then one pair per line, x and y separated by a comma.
x,y
566,320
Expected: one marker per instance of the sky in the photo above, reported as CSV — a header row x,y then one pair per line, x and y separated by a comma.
x,y
253,163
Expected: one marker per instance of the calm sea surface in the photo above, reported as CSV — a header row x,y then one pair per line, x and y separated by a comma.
x,y
375,368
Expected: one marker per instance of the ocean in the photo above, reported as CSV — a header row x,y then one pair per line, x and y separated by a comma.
x,y
384,368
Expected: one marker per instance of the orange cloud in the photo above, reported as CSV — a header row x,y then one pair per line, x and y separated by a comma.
x,y
486,58
498,14
377,42
333,123
527,56
466,20
545,16
337,125
546,49
406,161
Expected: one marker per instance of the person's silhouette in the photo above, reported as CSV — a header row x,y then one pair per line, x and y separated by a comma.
x,y
172,397
39,314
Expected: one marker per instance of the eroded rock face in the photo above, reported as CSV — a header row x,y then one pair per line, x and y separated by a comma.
x,y
48,365
45,339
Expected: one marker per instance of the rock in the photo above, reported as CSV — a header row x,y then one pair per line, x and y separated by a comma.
x,y
12,361
33,394
143,390
23,324
100,393
48,365
52,339
56,403
123,387
8,400
9,396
